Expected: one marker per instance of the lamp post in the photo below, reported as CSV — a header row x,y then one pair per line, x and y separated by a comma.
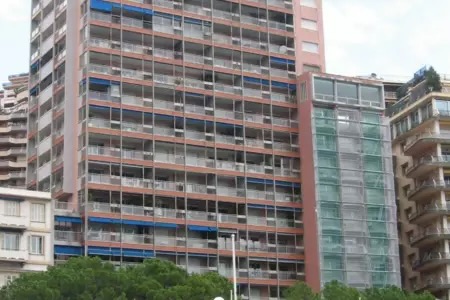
x,y
233,250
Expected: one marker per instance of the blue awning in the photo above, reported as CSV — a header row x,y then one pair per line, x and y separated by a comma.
x,y
68,250
138,223
280,208
256,80
198,254
164,117
193,21
287,184
34,66
259,206
99,251
281,61
104,220
132,112
96,107
194,95
99,81
195,121
33,91
202,228
259,181
224,125
166,225
101,5
75,220
137,253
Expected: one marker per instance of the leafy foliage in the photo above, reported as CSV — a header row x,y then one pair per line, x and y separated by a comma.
x,y
337,291
89,278
433,80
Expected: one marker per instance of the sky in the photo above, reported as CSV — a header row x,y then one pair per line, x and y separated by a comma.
x,y
386,37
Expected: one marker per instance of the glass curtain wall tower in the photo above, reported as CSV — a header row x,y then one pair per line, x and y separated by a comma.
x,y
349,205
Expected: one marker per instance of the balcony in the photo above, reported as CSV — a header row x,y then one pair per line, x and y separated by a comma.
x,y
117,180
432,260
67,237
430,236
422,141
427,164
13,222
127,238
13,255
428,213
427,188
435,284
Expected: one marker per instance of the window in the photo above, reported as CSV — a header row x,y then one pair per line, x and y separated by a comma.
x,y
309,24
310,47
371,95
442,106
36,245
309,3
311,68
404,168
37,212
347,92
12,208
9,241
324,89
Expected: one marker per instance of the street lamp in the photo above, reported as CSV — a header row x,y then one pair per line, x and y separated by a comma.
x,y
219,298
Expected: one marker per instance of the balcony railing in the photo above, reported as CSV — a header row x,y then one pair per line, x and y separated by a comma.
x,y
67,236
432,257
430,159
430,232
13,255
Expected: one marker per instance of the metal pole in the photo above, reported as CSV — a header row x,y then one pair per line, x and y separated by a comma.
x,y
233,250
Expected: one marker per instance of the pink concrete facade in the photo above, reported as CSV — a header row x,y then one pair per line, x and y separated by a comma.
x,y
302,12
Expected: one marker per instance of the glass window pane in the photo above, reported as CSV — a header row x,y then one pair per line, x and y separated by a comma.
x,y
328,176
371,93
441,105
327,159
347,92
323,89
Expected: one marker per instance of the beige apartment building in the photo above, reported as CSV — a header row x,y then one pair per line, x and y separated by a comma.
x,y
26,223
420,124
13,130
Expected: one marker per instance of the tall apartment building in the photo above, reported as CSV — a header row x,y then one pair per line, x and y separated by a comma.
x,y
163,127
13,131
26,224
349,210
421,145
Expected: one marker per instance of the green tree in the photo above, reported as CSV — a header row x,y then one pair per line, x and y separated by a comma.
x,y
300,291
90,278
337,291
433,80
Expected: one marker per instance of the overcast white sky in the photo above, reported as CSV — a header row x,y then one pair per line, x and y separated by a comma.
x,y
387,37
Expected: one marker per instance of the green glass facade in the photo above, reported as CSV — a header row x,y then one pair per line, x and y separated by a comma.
x,y
355,200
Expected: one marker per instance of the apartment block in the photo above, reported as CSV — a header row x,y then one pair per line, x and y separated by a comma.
x,y
420,128
26,224
349,210
13,131
162,127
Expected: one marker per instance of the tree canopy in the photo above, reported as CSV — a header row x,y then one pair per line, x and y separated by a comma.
x,y
87,278
337,291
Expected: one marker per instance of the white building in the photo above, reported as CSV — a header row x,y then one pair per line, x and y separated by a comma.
x,y
26,241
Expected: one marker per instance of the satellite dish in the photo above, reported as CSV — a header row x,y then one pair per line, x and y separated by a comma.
x,y
283,49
